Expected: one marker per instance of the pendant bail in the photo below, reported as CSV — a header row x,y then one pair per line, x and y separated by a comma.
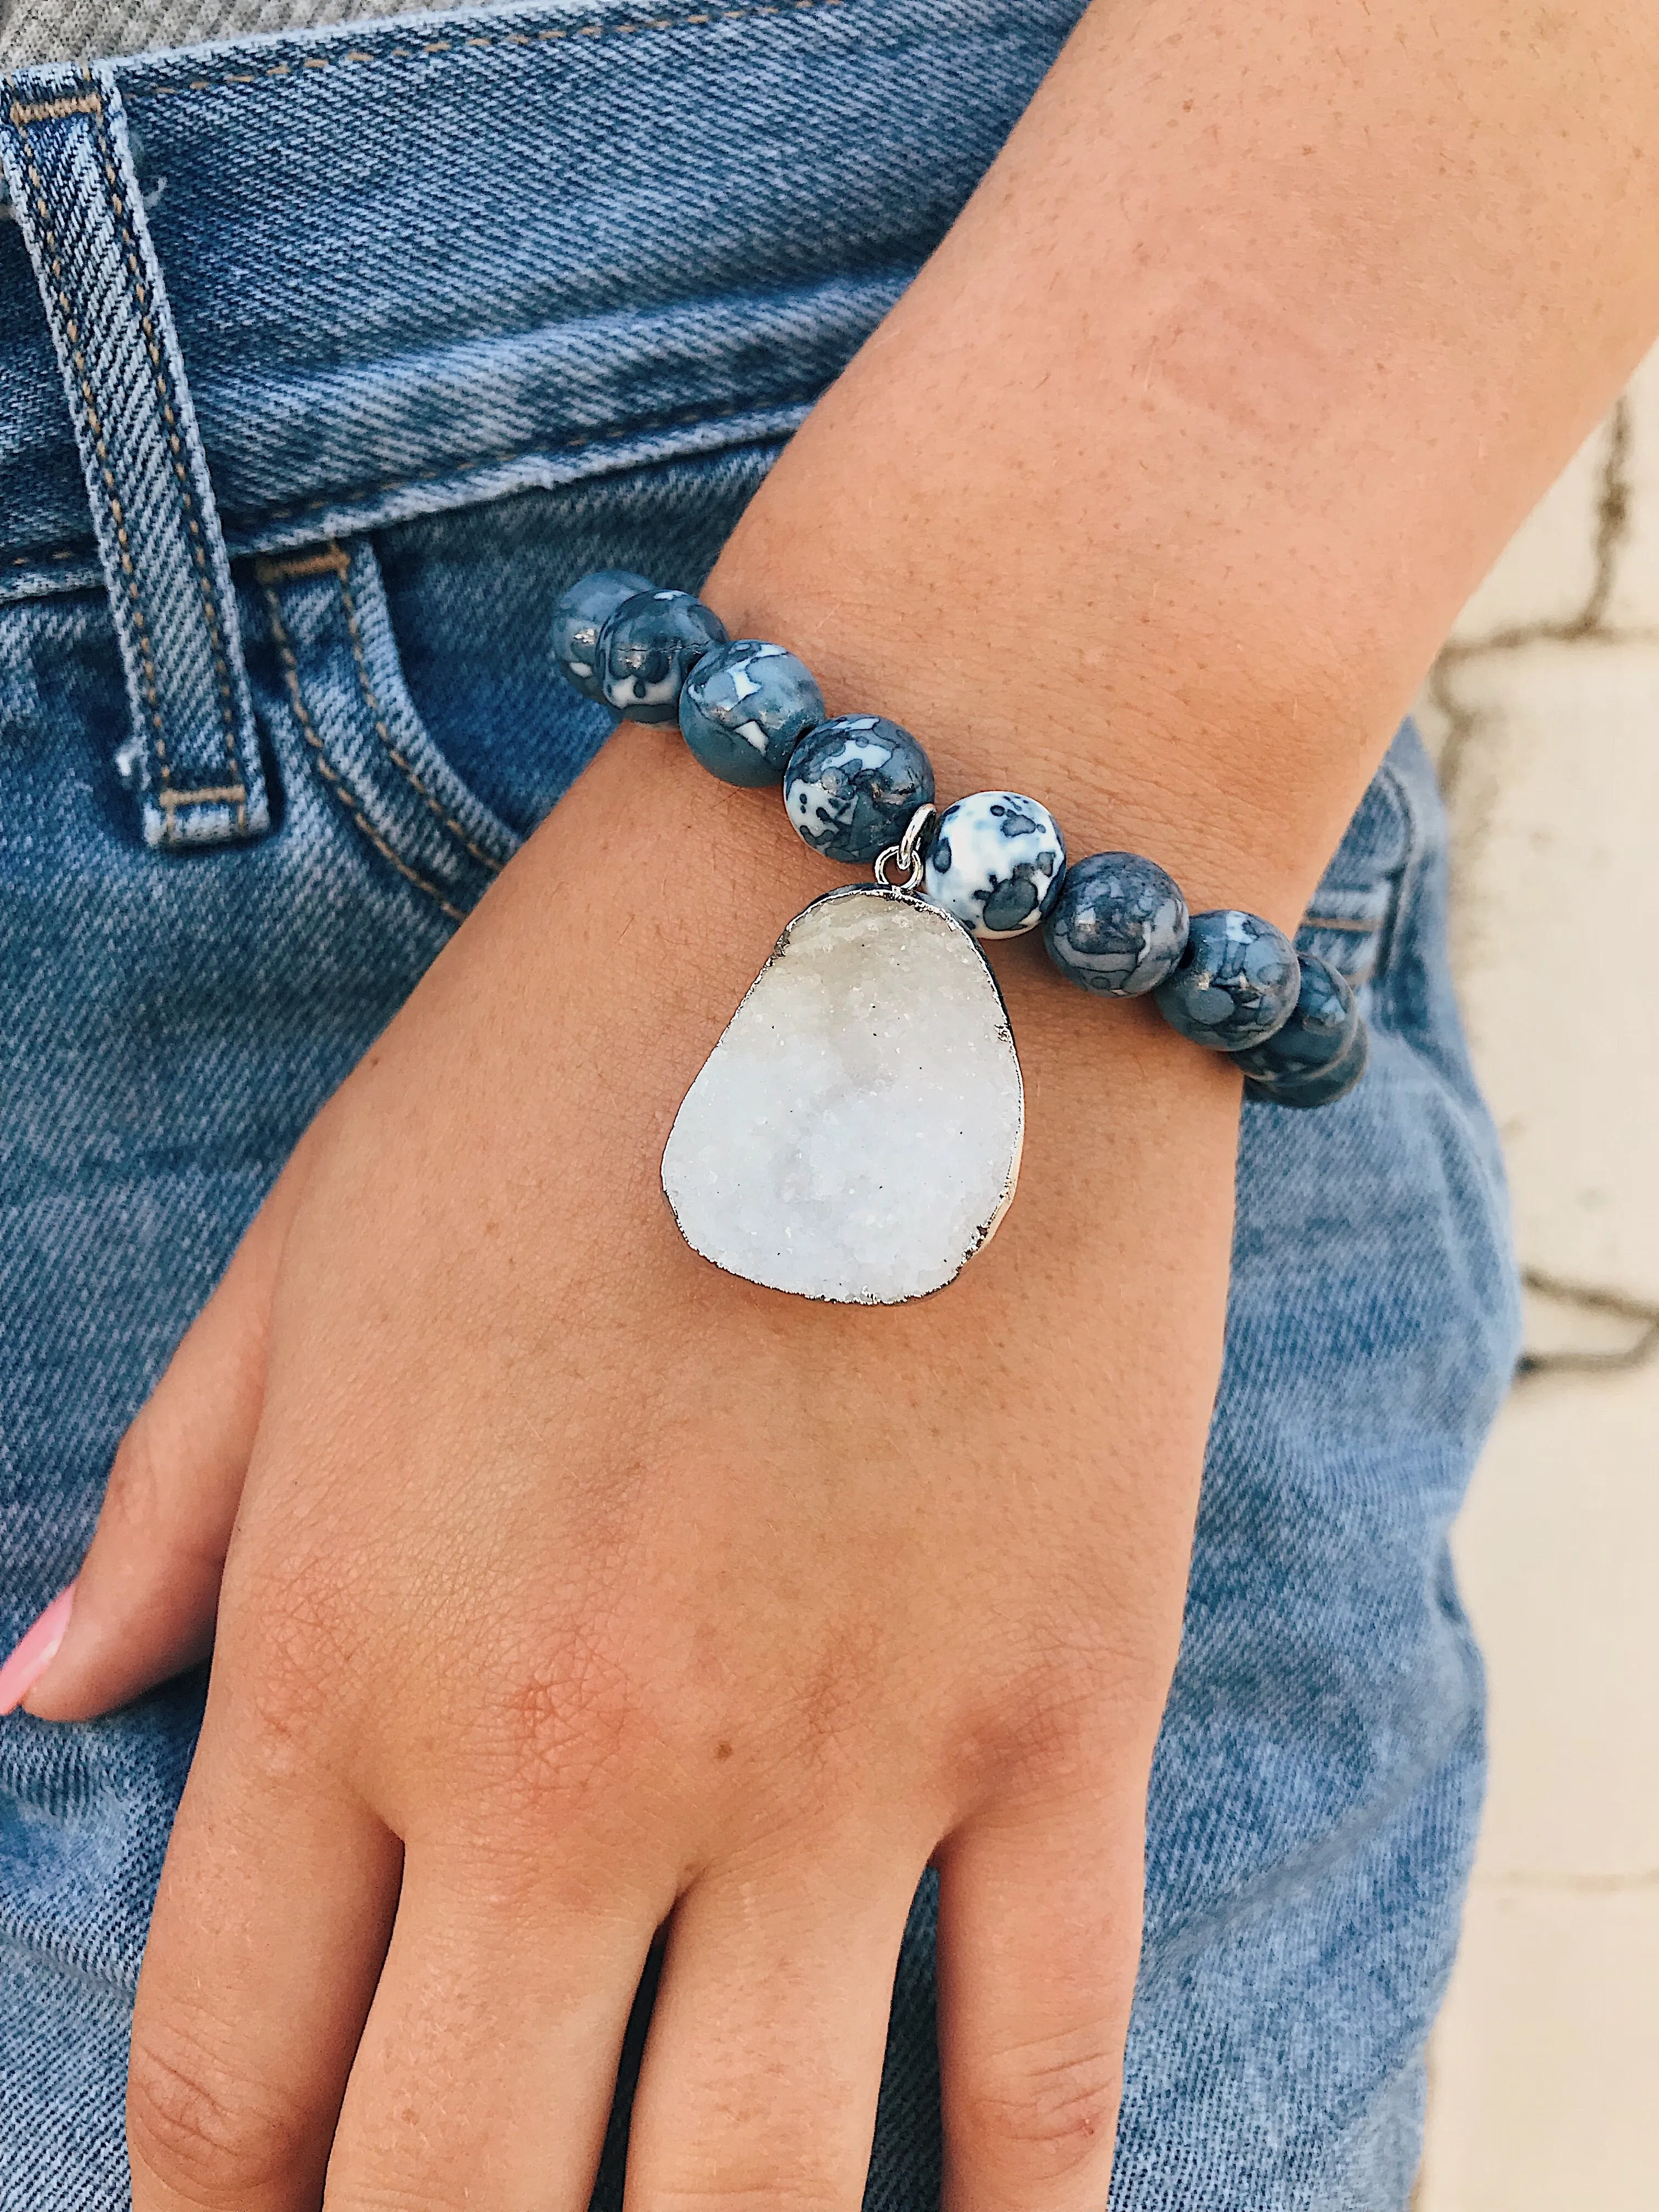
x,y
907,853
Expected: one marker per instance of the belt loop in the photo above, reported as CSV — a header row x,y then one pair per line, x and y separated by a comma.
x,y
63,145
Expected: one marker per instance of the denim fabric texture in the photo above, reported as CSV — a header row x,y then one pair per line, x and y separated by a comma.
x,y
470,308
194,758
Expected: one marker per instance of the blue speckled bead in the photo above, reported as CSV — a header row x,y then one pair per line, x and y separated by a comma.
x,y
995,861
582,614
1320,1054
852,784
648,648
744,708
1119,926
1234,984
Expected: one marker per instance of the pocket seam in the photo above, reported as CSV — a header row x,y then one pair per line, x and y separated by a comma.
x,y
331,775
487,861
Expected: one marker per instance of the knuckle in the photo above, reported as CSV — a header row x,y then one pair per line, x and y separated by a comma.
x,y
1064,1718
287,1634
196,2127
567,1726
1048,2107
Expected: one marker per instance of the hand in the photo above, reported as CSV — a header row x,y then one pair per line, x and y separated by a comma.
x,y
576,1587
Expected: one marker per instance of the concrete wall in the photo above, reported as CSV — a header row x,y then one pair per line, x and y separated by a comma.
x,y
1544,710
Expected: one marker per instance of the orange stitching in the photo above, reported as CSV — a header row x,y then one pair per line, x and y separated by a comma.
x,y
331,562
163,393
51,110
331,775
220,794
362,55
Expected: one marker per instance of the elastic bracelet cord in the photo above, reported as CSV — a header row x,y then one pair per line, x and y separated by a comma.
x,y
858,789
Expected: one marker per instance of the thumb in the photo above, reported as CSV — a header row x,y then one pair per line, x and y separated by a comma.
x,y
142,1605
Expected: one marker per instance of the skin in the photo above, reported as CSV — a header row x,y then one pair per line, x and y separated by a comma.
x,y
573,1587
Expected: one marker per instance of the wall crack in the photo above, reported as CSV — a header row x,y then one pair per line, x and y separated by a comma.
x,y
1586,1299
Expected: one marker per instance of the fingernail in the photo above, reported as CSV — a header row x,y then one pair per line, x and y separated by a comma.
x,y
39,1648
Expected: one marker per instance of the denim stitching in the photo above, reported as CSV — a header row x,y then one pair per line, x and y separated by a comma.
x,y
282,70
164,399
22,116
485,860
336,562
331,775
585,438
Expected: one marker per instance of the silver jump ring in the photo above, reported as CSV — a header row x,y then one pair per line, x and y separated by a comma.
x,y
907,853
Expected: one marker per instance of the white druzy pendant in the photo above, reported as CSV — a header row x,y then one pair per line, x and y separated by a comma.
x,y
855,1134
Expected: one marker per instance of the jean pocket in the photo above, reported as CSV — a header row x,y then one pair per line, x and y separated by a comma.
x,y
338,686
1352,918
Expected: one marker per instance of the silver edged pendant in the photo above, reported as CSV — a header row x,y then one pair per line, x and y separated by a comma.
x,y
855,1134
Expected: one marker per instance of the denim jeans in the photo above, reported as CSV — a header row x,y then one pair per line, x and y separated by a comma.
x,y
367,344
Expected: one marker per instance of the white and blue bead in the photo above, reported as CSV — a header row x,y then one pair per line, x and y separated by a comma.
x,y
852,784
582,614
1320,1053
1234,984
649,647
1114,923
1119,926
995,863
744,709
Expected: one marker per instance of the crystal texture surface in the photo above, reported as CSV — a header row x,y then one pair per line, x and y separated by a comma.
x,y
855,1134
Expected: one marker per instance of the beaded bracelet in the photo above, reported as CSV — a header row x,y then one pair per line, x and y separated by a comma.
x,y
855,1134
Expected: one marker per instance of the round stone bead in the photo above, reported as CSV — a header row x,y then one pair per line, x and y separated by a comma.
x,y
648,648
1119,926
852,784
582,614
1319,1054
744,708
1234,984
995,862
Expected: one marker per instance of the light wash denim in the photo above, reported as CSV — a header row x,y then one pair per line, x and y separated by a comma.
x,y
447,314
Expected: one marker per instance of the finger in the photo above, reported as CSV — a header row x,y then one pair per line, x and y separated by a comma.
x,y
145,1599
487,2068
272,1921
1038,1938
764,2055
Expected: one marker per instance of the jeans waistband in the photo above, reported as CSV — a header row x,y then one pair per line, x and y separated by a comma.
x,y
414,265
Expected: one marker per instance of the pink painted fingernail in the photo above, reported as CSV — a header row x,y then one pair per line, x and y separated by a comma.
x,y
39,1648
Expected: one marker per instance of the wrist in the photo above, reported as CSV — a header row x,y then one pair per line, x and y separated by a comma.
x,y
1122,759
723,872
